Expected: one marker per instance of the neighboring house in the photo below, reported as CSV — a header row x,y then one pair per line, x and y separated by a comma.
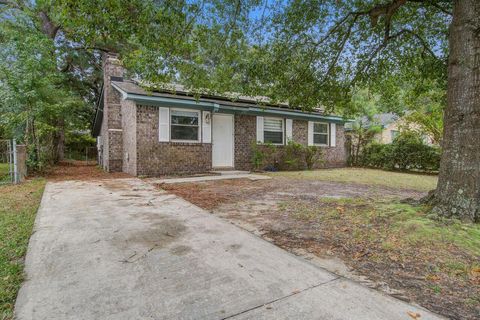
x,y
171,132
391,124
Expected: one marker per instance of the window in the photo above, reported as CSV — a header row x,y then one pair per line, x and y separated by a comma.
x,y
273,130
184,125
320,133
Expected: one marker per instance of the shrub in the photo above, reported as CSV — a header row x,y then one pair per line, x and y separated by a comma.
x,y
293,156
313,155
376,155
264,156
406,152
258,156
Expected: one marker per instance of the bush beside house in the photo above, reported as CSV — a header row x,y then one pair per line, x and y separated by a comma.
x,y
293,156
406,152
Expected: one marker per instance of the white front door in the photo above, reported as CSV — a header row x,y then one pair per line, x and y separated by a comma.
x,y
222,140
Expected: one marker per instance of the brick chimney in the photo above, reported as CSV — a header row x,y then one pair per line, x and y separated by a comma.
x,y
110,143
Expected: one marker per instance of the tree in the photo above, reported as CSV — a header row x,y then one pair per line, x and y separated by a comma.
x,y
45,89
458,190
317,51
56,48
310,53
33,92
365,106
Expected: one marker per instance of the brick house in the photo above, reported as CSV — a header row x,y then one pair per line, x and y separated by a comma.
x,y
171,132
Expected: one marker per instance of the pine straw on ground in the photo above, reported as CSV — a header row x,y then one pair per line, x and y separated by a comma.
x,y
80,170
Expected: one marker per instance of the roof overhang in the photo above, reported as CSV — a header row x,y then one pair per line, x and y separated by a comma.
x,y
225,107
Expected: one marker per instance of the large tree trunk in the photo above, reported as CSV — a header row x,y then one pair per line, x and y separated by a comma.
x,y
458,190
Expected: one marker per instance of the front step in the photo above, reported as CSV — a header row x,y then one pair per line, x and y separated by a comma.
x,y
228,172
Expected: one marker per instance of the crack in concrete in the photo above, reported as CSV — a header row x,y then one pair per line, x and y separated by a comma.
x,y
281,298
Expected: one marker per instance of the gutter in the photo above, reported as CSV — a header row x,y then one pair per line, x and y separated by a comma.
x,y
223,108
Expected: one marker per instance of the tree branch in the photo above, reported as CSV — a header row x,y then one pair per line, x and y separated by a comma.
x,y
434,4
384,44
48,27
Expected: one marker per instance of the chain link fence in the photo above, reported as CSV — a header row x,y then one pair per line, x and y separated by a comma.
x,y
88,155
7,166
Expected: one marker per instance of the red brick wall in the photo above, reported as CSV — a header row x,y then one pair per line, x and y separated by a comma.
x,y
156,158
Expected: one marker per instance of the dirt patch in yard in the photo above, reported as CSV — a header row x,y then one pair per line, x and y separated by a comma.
x,y
359,231
80,170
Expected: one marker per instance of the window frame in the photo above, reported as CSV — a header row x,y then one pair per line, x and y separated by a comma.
x,y
199,125
321,133
283,131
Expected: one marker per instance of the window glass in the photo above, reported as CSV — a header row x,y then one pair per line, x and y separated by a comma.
x,y
320,127
184,133
184,125
320,133
320,139
273,130
184,117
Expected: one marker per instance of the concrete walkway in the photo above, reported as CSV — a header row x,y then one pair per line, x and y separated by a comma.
x,y
119,249
249,176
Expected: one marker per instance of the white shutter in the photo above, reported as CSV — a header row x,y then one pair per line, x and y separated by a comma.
x,y
310,133
206,127
289,129
260,129
333,131
163,124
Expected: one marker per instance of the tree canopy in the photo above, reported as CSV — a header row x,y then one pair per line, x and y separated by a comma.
x,y
310,53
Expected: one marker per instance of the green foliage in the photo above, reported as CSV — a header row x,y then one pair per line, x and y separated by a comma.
x,y
375,154
39,101
365,106
406,152
313,156
18,206
79,144
426,113
258,156
292,156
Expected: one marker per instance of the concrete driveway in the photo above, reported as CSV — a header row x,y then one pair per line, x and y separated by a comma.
x,y
119,249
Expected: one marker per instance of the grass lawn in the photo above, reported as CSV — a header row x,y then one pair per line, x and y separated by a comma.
x,y
4,172
390,179
18,207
